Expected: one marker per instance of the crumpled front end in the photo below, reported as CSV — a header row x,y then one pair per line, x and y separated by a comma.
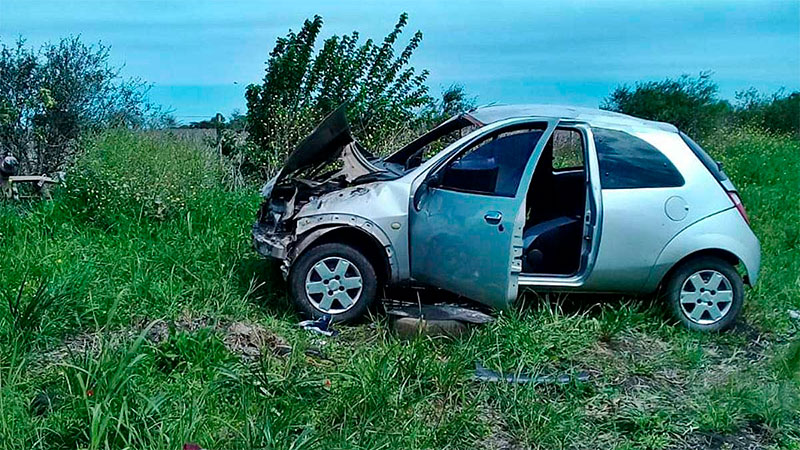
x,y
274,231
328,160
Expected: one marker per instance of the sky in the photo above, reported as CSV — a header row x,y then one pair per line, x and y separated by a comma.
x,y
200,55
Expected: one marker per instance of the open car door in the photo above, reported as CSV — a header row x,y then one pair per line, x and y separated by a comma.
x,y
467,216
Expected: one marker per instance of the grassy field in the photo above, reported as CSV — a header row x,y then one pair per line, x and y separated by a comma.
x,y
137,316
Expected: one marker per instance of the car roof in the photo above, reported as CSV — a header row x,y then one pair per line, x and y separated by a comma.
x,y
595,117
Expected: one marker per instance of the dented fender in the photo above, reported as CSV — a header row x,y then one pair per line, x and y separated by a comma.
x,y
311,229
379,209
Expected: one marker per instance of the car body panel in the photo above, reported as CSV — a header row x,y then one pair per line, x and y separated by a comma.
x,y
726,231
379,209
636,226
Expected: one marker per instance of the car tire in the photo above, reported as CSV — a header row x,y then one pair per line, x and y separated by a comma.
x,y
705,294
325,278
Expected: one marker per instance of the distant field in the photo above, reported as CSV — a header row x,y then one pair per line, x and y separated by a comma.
x,y
157,325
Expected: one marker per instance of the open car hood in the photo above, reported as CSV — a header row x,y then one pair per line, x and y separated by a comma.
x,y
329,141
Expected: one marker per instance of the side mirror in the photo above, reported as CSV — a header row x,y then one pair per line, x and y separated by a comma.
x,y
429,183
434,180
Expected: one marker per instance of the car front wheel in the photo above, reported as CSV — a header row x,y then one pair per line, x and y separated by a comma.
x,y
333,279
705,294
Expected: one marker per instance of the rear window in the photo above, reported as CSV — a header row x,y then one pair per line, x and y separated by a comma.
x,y
705,158
627,162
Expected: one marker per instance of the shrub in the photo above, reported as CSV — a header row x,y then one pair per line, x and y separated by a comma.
x,y
690,104
779,111
51,96
300,87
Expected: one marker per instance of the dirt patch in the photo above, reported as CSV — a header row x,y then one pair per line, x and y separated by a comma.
x,y
498,438
247,340
752,437
638,345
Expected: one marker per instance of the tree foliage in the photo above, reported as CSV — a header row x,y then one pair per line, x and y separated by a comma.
x,y
692,104
689,103
50,96
301,85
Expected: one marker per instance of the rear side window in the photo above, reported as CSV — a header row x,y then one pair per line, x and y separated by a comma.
x,y
705,158
567,150
627,162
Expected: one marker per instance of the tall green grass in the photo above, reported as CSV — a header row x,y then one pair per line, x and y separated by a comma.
x,y
146,230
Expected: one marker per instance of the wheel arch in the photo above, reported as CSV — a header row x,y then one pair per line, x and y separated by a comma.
x,y
724,234
722,254
377,250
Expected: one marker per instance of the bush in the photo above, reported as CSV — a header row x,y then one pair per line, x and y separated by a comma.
x,y
779,111
691,104
51,96
125,174
301,87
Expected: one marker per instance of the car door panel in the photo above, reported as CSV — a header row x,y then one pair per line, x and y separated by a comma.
x,y
471,243
469,263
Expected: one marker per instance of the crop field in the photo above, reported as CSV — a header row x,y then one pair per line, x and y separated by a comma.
x,y
134,314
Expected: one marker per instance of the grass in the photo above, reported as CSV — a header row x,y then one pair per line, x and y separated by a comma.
x,y
139,317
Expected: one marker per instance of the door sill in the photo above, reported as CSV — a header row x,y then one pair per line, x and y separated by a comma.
x,y
566,281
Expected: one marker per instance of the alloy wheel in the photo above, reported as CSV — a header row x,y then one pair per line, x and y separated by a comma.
x,y
333,285
706,297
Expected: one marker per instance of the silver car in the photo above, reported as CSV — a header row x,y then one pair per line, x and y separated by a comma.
x,y
506,198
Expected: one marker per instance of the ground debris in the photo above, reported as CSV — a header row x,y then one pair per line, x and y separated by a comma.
x,y
441,312
409,321
320,326
247,340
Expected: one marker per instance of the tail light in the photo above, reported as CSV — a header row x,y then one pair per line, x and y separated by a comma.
x,y
737,202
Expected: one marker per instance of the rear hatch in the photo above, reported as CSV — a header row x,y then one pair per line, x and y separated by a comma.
x,y
715,167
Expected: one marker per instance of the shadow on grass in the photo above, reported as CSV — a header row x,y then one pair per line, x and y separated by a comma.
x,y
593,305
261,282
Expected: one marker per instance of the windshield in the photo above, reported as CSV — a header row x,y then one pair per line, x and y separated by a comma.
x,y
429,144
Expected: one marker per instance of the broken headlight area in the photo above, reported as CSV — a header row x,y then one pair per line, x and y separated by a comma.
x,y
328,160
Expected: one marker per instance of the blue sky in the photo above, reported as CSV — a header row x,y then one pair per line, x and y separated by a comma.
x,y
200,54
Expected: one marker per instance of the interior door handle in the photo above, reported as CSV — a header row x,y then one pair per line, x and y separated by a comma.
x,y
493,217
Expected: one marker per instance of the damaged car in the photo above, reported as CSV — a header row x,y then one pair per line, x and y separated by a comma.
x,y
538,197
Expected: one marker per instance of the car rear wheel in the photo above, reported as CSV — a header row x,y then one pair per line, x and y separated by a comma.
x,y
705,294
333,279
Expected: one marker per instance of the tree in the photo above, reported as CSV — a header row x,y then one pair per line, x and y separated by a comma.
x,y
51,96
454,100
690,104
779,111
301,86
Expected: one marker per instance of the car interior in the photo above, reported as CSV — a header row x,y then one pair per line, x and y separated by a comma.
x,y
556,199
556,204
